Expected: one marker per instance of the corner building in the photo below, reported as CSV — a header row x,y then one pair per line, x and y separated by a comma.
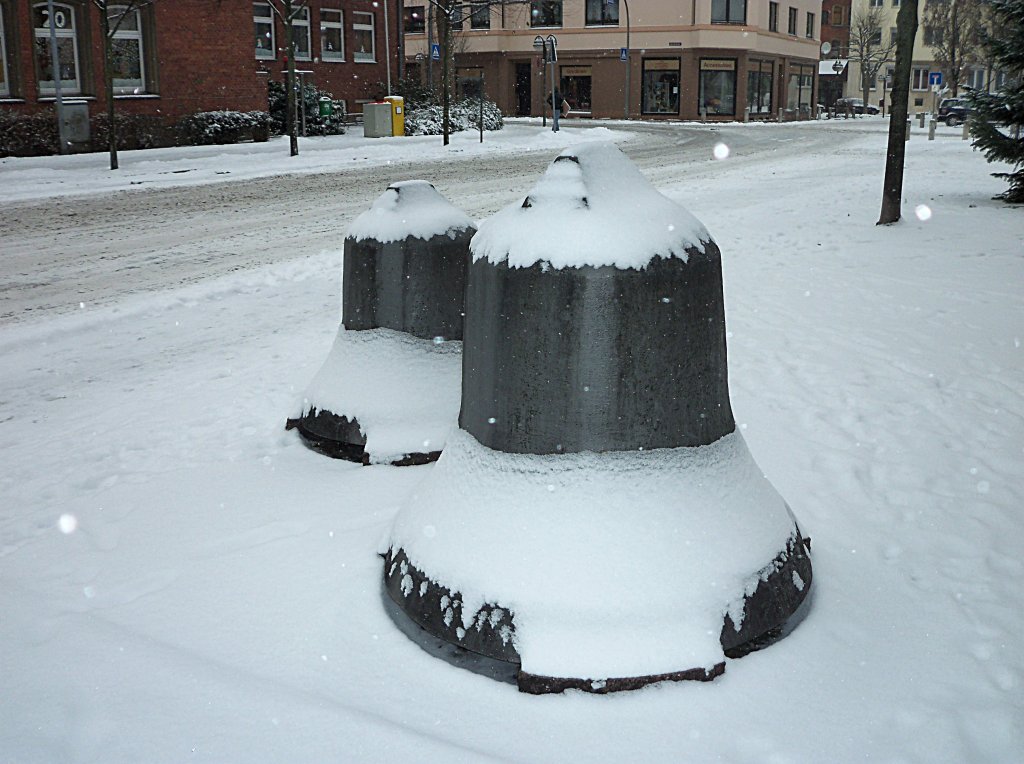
x,y
730,59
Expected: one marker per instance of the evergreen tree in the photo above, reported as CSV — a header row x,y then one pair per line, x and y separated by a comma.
x,y
996,118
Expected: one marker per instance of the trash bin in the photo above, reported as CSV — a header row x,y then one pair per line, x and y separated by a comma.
x,y
326,107
597,521
389,390
377,120
397,114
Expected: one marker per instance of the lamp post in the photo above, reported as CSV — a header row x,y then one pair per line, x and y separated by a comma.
x,y
549,46
626,108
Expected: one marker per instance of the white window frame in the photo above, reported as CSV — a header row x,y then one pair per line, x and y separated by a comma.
x,y
339,26
123,86
5,83
358,56
268,19
43,34
300,22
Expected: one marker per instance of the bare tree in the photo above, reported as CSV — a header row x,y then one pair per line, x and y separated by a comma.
x,y
867,45
953,30
892,188
113,15
288,11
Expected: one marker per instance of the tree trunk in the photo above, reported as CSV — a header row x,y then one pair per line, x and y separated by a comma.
x,y
892,190
292,105
446,23
108,87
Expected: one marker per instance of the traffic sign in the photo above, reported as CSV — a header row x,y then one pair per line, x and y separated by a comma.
x,y
934,78
435,52
623,54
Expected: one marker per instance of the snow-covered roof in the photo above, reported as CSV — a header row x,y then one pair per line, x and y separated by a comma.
x,y
591,207
409,209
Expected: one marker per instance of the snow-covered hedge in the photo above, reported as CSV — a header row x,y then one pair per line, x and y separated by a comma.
x,y
311,95
36,134
464,115
211,127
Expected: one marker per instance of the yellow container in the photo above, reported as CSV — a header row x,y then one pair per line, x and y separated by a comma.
x,y
397,114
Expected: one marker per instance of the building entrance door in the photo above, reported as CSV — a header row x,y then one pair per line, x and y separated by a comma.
x,y
522,90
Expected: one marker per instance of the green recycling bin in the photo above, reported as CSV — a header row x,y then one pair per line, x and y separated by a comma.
x,y
326,107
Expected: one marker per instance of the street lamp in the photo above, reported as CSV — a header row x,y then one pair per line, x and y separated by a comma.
x,y
549,46
628,73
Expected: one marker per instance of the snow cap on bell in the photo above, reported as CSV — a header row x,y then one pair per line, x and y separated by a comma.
x,y
592,207
409,208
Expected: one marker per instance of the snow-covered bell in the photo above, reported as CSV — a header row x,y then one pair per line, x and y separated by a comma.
x,y
597,522
389,390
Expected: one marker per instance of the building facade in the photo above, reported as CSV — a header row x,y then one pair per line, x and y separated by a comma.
x,y
723,59
173,58
835,50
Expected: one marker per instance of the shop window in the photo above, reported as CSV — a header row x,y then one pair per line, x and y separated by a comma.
x,y
263,19
810,25
65,23
717,86
602,13
480,15
575,83
364,49
546,13
332,35
792,20
800,89
300,35
728,11
5,72
773,17
414,19
660,94
760,75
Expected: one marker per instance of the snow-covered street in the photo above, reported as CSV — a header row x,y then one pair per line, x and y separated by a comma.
x,y
181,579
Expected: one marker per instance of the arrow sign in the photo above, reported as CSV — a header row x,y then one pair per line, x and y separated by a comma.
x,y
435,52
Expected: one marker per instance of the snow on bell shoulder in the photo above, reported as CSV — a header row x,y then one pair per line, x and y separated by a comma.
x,y
592,207
614,564
409,208
408,405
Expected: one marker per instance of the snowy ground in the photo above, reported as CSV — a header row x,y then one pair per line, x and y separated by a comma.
x,y
180,579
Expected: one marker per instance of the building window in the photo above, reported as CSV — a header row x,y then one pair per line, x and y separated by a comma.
x,y
835,17
810,25
546,13
876,37
300,35
263,18
126,49
759,87
414,19
932,36
332,35
457,17
602,13
800,89
773,17
718,86
364,37
480,15
67,49
468,82
660,94
895,3
825,17
728,11
919,79
5,75
575,86
792,21
876,3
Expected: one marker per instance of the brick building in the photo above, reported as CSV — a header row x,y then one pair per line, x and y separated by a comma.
x,y
177,57
835,30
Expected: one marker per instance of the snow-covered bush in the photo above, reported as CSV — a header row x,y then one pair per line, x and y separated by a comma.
x,y
277,104
31,135
464,115
212,127
134,131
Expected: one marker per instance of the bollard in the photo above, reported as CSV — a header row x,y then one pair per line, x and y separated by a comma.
x,y
931,129
389,389
596,521
966,129
907,138
920,118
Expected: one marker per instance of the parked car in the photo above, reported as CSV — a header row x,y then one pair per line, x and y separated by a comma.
x,y
953,111
855,105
